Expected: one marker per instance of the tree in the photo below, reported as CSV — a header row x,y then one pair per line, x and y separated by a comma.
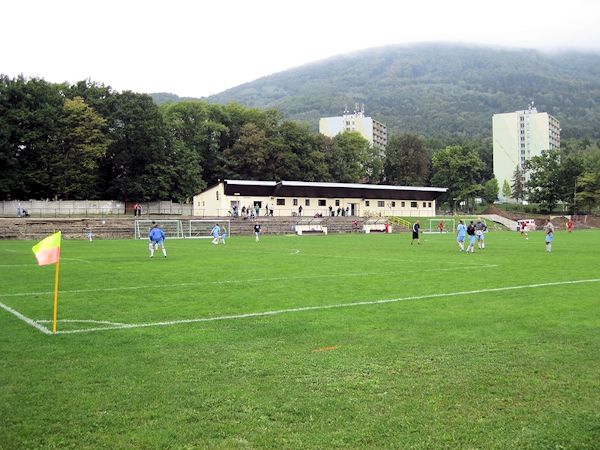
x,y
297,153
571,167
458,170
544,186
406,161
81,144
189,137
137,166
249,157
347,157
506,192
29,121
490,190
518,186
587,189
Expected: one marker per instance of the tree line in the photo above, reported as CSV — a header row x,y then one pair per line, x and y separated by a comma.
x,y
86,141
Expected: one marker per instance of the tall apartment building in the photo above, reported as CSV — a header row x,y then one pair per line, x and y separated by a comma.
x,y
518,136
372,130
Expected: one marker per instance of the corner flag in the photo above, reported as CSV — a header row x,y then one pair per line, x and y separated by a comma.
x,y
47,251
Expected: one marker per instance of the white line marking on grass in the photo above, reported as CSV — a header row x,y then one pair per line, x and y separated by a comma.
x,y
75,259
34,265
25,319
324,307
105,322
251,280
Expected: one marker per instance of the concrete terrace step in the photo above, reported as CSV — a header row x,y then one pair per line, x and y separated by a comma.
x,y
123,228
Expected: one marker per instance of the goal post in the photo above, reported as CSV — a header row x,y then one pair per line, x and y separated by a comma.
x,y
449,226
201,228
172,228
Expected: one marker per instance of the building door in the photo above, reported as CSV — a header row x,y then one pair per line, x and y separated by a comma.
x,y
257,207
354,209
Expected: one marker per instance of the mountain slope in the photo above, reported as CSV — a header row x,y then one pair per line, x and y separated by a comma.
x,y
435,90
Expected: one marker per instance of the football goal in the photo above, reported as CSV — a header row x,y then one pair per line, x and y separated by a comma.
x,y
441,226
172,228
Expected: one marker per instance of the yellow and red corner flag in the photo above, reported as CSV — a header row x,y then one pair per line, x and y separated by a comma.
x,y
47,251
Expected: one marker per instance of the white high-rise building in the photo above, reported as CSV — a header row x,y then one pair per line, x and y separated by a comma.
x,y
372,130
518,136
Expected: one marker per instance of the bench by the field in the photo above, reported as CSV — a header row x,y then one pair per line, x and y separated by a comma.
x,y
376,228
310,229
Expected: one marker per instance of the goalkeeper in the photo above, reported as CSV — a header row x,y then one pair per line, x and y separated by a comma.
x,y
156,236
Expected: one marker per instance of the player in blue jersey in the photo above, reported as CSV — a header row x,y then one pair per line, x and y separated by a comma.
x,y
461,232
549,229
223,234
215,232
156,236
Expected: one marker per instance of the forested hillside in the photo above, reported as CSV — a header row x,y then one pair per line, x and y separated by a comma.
x,y
436,90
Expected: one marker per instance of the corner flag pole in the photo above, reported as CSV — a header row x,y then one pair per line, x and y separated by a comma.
x,y
47,251
55,296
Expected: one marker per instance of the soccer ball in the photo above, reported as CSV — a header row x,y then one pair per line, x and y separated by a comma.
x,y
103,222
526,238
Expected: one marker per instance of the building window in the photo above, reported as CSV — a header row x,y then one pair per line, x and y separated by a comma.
x,y
281,202
402,204
413,204
367,203
393,204
429,204
424,205
322,202
337,203
307,202
217,195
380,204
295,202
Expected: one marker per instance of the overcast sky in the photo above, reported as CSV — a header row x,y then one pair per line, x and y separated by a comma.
x,y
198,48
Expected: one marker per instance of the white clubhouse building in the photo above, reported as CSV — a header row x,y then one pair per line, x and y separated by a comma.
x,y
292,198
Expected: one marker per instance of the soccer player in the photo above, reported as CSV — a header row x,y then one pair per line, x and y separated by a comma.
x,y
524,229
441,226
471,233
257,231
223,234
88,232
480,228
156,236
549,228
216,231
461,232
570,225
415,233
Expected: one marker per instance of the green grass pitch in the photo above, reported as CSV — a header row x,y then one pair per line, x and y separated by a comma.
x,y
355,341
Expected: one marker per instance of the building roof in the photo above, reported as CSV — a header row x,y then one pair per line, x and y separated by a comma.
x,y
330,190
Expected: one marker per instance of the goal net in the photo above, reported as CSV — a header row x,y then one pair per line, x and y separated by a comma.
x,y
441,226
172,228
201,228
